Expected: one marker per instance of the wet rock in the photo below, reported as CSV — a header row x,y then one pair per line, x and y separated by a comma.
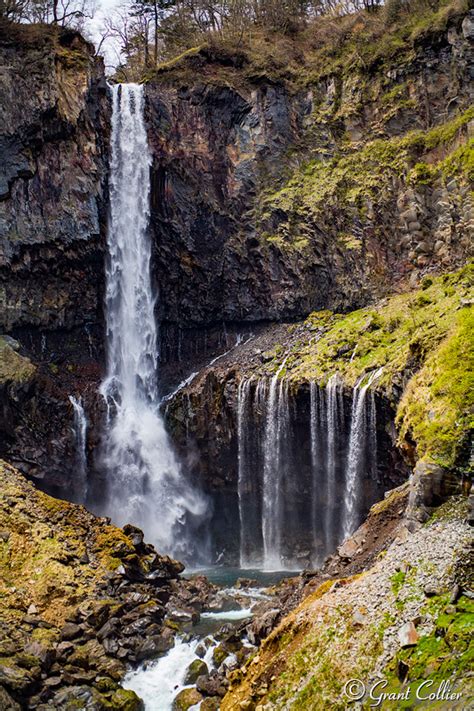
x,y
196,668
185,699
153,646
212,684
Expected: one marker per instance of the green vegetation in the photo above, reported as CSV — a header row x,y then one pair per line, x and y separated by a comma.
x,y
14,368
445,654
368,172
437,407
417,340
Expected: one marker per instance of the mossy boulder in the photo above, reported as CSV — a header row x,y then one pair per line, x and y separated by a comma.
x,y
197,668
185,699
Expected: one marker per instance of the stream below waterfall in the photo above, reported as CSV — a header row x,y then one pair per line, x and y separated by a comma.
x,y
159,682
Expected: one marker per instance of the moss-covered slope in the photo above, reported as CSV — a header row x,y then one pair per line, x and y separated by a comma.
x,y
72,587
355,628
418,342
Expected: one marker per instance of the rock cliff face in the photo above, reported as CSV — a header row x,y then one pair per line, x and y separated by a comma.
x,y
53,140
54,117
278,193
306,182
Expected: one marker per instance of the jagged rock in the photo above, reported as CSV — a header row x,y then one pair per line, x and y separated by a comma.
x,y
430,486
262,626
211,684
407,635
153,646
70,631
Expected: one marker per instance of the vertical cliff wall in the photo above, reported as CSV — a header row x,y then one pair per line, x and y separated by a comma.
x,y
53,139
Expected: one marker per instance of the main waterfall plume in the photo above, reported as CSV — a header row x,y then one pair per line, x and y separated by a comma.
x,y
145,485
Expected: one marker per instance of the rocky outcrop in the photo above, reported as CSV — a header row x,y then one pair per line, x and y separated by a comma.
x,y
415,345
81,601
271,197
54,126
54,116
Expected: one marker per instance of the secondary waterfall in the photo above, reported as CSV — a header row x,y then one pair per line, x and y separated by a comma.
x,y
145,485
362,449
290,482
275,444
80,435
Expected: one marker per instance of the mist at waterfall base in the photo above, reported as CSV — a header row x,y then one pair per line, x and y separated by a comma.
x,y
145,484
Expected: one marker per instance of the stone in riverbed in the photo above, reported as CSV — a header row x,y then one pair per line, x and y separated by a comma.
x,y
153,646
185,699
196,668
211,685
212,703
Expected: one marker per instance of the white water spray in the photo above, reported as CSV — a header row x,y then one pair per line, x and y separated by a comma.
x,y
274,446
145,484
361,444
244,472
80,434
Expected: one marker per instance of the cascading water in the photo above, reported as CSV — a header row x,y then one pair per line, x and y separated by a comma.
x,y
275,445
80,435
144,482
334,417
245,486
362,449
278,502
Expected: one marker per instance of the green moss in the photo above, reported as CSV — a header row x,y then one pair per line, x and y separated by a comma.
x,y
366,172
436,408
14,368
397,581
446,653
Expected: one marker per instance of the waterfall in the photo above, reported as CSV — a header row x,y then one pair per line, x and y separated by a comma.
x,y
334,419
362,451
318,435
245,483
80,434
144,482
275,445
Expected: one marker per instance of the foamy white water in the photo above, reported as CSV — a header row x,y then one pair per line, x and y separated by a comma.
x,y
145,484
160,682
362,437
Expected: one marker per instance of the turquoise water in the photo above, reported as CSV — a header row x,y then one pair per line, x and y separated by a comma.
x,y
227,577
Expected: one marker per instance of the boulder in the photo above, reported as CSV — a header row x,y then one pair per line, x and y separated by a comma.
x,y
185,699
407,635
196,668
211,684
